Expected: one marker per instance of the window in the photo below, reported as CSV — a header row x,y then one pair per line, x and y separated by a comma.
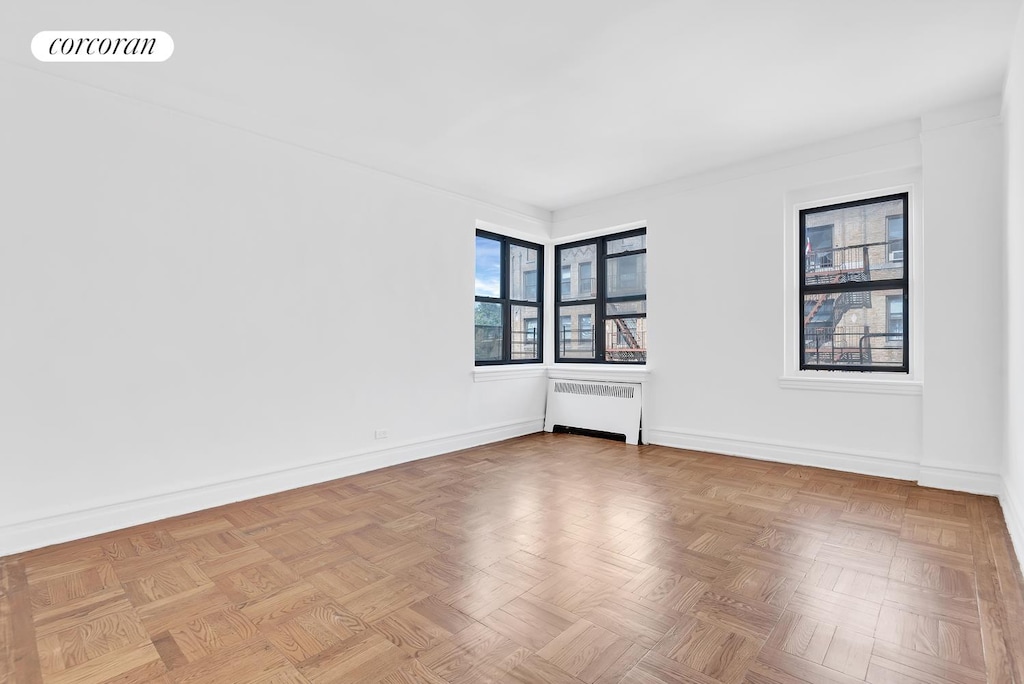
x,y
530,285
586,278
853,291
894,319
509,301
894,235
564,329
611,302
586,327
531,330
818,252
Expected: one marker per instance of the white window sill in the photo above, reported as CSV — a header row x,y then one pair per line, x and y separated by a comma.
x,y
510,372
852,382
562,371
599,372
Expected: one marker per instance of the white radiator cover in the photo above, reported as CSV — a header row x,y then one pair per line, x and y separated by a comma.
x,y
606,406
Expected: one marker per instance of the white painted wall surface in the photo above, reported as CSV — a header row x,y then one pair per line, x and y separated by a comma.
x,y
185,304
1013,115
963,216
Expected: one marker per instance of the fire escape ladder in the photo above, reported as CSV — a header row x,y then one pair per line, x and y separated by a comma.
x,y
626,333
820,299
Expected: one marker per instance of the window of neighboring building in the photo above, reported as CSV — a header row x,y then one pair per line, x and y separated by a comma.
x,y
531,330
586,327
530,285
853,291
603,315
818,251
894,235
564,326
894,319
586,278
509,300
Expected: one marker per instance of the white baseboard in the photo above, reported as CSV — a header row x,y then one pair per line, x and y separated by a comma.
x,y
863,463
990,484
34,534
1013,512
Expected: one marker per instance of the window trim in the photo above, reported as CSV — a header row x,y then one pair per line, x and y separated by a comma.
x,y
599,299
506,301
902,283
907,178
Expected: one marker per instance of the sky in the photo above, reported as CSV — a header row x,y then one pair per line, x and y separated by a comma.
x,y
488,267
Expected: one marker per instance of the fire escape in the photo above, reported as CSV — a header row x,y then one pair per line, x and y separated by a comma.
x,y
623,344
825,341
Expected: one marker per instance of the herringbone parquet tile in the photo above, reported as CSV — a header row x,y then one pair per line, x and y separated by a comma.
x,y
550,558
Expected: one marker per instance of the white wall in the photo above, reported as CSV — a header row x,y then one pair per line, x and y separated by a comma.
x,y
717,248
963,218
184,304
1013,115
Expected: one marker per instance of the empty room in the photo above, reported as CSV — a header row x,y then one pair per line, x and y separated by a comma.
x,y
463,341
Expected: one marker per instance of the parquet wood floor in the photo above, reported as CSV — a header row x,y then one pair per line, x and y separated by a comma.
x,y
549,558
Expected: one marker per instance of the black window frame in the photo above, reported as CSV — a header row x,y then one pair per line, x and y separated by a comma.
x,y
599,298
506,301
880,283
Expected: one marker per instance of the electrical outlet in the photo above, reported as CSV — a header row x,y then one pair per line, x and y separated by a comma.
x,y
380,434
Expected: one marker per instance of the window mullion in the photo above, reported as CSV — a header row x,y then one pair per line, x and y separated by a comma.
x,y
859,286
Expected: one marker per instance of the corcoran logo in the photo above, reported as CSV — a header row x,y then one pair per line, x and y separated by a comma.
x,y
102,46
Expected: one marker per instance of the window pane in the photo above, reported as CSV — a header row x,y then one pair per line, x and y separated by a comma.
x,y
625,340
577,272
854,244
575,334
523,273
627,276
627,244
525,340
636,306
854,329
488,331
488,267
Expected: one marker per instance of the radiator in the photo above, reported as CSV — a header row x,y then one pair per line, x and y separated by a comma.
x,y
605,406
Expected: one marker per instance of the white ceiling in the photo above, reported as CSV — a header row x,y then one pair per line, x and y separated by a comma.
x,y
547,102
